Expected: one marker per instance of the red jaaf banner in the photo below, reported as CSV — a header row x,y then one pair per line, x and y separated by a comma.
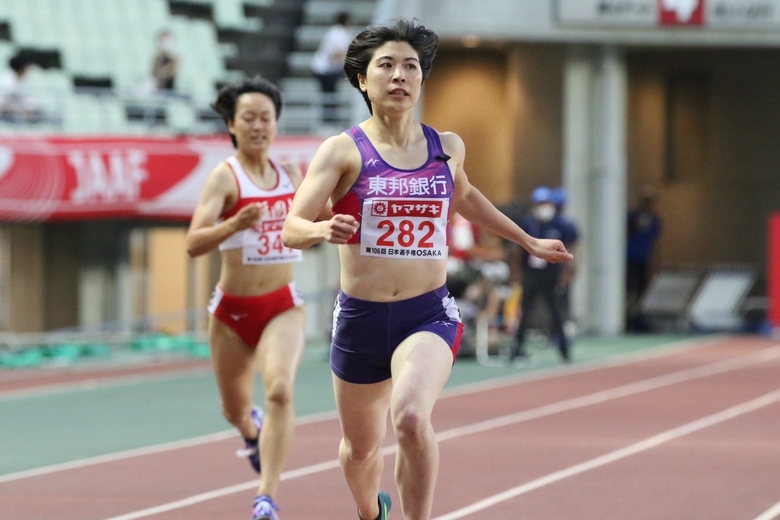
x,y
53,178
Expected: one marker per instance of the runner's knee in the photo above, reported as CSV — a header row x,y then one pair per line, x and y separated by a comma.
x,y
359,453
409,423
280,391
236,415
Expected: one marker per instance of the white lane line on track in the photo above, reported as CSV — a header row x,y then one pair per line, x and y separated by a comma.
x,y
676,347
626,359
217,493
569,404
147,450
112,457
633,449
770,514
609,394
97,383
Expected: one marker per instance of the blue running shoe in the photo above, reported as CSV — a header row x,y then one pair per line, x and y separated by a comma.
x,y
252,451
384,506
265,509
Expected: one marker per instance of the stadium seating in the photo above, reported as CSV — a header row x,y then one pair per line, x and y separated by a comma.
x,y
95,77
301,88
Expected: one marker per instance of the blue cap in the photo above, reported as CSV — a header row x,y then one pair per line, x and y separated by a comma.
x,y
559,196
541,194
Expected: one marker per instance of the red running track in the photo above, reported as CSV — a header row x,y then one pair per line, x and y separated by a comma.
x,y
685,434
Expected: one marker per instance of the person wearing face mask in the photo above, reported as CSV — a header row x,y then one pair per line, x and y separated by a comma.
x,y
166,63
540,277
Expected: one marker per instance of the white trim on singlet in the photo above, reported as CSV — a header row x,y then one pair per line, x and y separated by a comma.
x,y
248,190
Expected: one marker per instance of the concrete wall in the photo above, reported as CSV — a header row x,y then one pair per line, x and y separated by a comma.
x,y
167,283
61,279
469,94
538,145
27,278
505,103
718,213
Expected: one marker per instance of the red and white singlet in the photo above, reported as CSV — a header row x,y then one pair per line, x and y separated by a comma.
x,y
262,244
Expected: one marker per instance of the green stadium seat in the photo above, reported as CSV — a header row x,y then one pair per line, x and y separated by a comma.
x,y
7,51
115,39
181,115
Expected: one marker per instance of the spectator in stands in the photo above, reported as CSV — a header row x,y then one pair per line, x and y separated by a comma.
x,y
644,227
257,319
16,105
165,64
328,64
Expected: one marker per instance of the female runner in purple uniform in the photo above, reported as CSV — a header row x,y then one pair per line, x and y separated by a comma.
x,y
394,183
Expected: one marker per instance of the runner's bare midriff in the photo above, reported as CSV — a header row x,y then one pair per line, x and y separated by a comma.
x,y
239,279
388,279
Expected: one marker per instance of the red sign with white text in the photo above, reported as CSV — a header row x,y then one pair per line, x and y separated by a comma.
x,y
681,12
57,178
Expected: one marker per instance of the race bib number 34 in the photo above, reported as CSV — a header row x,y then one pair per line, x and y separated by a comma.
x,y
263,245
409,228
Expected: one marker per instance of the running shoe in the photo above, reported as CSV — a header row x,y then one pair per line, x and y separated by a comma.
x,y
252,451
384,506
265,509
